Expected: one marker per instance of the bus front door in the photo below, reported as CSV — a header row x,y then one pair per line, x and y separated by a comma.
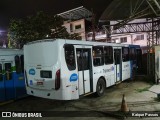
x,y
117,64
84,69
9,83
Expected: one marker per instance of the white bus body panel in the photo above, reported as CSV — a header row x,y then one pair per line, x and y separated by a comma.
x,y
70,88
126,70
53,51
35,59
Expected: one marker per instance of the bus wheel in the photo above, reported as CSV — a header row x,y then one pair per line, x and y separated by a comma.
x,y
100,87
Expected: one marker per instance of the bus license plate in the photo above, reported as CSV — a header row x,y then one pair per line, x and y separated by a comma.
x,y
39,83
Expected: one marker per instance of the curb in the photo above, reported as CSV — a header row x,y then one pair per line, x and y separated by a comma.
x,y
6,102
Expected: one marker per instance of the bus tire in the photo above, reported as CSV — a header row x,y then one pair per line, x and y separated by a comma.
x,y
100,88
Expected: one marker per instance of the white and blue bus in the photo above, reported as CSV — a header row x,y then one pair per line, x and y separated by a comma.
x,y
12,83
67,69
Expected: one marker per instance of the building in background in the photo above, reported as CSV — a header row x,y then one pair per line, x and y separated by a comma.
x,y
140,38
79,20
78,26
100,35
134,38
131,38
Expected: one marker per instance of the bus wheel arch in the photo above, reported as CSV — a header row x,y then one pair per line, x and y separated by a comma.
x,y
100,87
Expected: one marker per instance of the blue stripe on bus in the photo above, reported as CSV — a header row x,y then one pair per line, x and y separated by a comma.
x,y
12,89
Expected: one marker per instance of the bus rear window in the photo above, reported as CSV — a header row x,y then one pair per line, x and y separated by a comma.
x,y
70,57
45,74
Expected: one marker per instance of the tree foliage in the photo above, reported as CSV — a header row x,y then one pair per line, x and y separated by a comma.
x,y
37,27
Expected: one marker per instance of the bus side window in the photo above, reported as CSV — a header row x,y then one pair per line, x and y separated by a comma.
x,y
98,58
8,71
17,64
132,54
70,57
108,55
86,60
125,54
79,60
22,62
82,60
1,76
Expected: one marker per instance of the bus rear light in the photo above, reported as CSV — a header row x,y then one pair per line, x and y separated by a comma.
x,y
26,78
57,80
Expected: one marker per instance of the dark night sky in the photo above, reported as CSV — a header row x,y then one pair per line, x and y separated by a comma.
x,y
22,8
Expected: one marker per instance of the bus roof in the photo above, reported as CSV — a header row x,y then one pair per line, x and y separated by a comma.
x,y
77,42
6,51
